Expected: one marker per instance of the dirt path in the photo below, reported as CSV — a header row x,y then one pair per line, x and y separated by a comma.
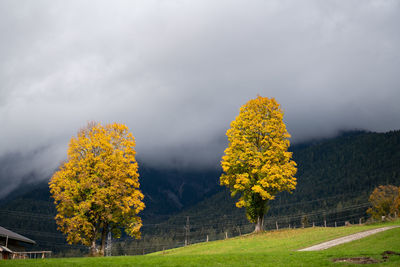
x,y
346,239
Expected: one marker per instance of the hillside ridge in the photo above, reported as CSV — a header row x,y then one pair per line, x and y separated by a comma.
x,y
335,178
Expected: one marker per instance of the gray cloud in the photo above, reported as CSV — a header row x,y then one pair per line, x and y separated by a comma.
x,y
176,72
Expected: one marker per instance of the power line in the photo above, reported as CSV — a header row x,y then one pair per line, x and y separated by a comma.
x,y
201,225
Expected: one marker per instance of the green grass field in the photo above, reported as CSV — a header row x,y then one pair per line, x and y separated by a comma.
x,y
275,248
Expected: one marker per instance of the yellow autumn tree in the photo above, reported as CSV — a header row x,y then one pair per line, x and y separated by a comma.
x,y
385,201
257,164
97,189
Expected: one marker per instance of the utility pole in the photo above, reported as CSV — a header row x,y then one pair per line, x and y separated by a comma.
x,y
187,231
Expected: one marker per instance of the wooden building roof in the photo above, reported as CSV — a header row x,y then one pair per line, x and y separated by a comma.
x,y
4,249
11,235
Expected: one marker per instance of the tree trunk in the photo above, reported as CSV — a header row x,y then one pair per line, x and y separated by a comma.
x,y
93,247
104,233
93,251
259,225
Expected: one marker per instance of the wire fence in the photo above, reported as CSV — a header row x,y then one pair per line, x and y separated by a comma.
x,y
202,230
191,229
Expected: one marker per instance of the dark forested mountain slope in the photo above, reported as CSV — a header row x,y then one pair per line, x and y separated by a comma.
x,y
332,174
30,211
351,164
165,191
335,178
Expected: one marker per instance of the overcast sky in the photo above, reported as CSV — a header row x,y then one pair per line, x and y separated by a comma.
x,y
176,72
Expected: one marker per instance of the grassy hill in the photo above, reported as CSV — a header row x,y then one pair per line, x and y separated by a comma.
x,y
273,248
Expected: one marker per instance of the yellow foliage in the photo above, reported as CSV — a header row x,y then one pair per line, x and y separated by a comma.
x,y
256,162
98,186
385,200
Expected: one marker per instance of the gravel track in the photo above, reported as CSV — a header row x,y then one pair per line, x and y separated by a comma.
x,y
346,239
